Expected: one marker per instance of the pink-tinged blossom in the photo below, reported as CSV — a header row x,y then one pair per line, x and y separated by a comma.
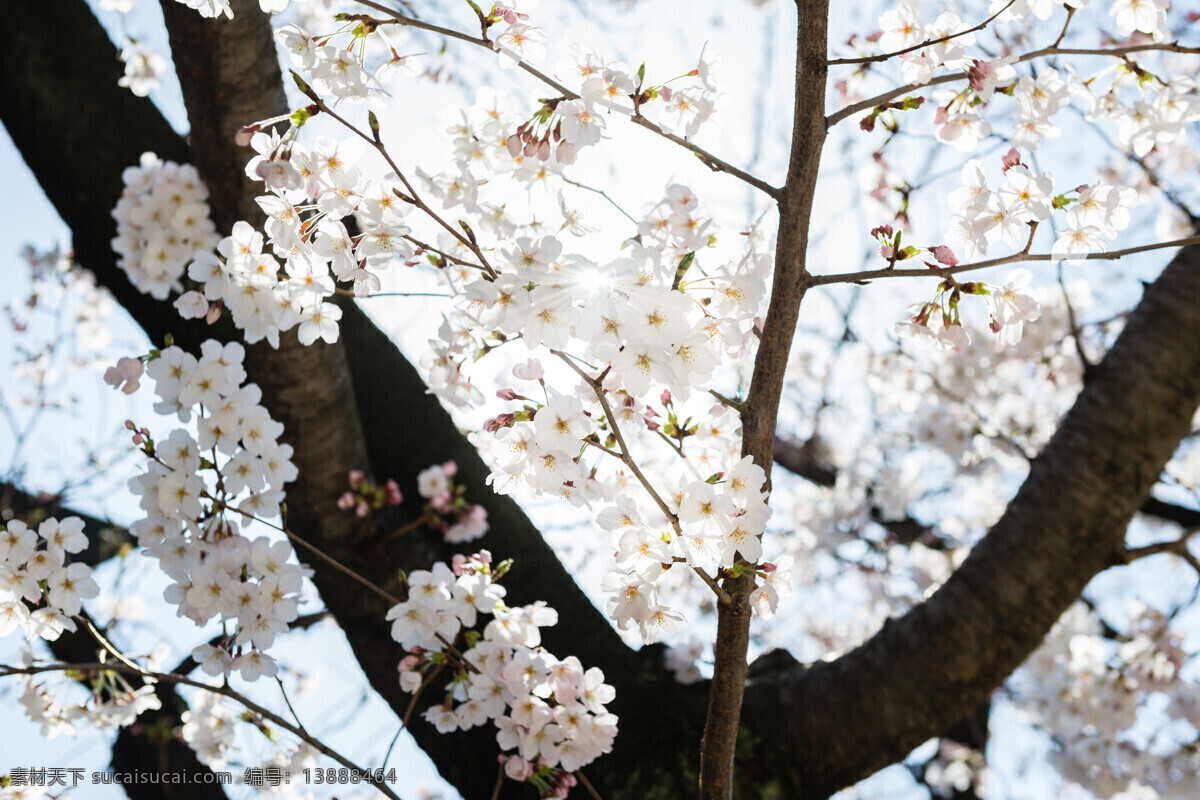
x,y
520,42
1012,305
127,372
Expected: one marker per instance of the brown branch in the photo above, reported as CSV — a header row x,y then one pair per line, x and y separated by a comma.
x,y
761,407
379,147
847,718
1187,517
1177,547
943,272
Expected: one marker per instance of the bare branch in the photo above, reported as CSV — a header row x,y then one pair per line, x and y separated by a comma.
x,y
943,272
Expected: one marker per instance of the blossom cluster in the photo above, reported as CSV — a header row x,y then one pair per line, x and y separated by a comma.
x,y
191,525
111,703
143,68
162,220
34,573
1156,112
459,521
1009,214
549,713
1088,691
984,217
209,727
901,29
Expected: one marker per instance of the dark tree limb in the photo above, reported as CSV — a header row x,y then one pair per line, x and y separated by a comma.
x,y
923,671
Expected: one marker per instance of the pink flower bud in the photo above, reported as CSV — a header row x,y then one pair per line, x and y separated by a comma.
x,y
508,394
214,313
944,255
531,370
517,768
409,663
363,510
543,151
531,149
243,136
456,563
665,398
566,153
665,93
450,468
1010,159
769,567
357,477
514,145
392,495
346,501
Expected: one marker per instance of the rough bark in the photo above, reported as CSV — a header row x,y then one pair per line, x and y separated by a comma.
x,y
759,413
921,672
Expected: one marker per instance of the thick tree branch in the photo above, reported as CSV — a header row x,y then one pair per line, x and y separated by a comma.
x,y
847,718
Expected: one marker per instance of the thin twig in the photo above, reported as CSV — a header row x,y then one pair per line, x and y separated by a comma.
x,y
943,272
246,702
628,460
451,258
106,644
709,160
1177,547
333,562
1053,50
499,782
287,701
412,704
603,194
587,785
412,192
736,405
927,43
